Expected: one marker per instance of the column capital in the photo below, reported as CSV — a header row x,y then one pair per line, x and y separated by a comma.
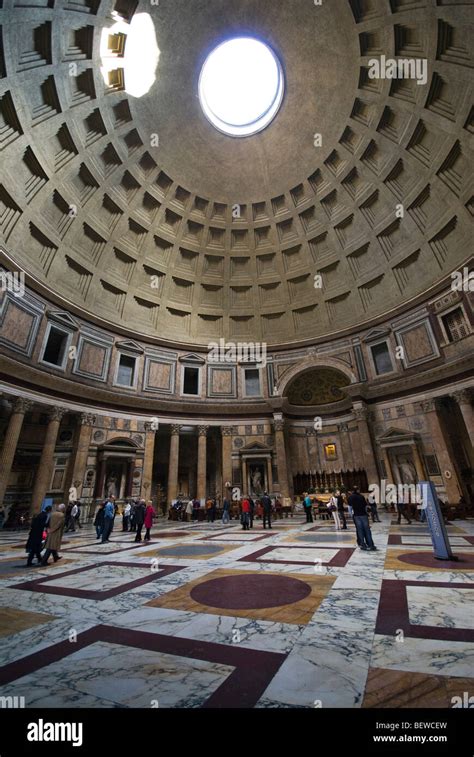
x,y
22,405
311,432
56,413
343,427
175,429
279,424
202,430
361,413
87,419
428,406
463,396
150,427
226,430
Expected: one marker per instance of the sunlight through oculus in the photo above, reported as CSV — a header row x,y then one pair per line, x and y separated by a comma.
x,y
241,86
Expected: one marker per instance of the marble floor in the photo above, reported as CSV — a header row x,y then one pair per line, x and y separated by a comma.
x,y
208,615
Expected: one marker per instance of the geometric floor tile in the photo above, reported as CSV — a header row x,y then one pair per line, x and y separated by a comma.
x,y
100,581
13,621
116,667
301,556
406,559
287,598
393,688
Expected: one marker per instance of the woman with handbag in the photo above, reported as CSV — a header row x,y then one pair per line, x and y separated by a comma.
x,y
332,507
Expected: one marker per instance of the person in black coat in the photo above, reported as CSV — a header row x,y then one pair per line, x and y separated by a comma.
x,y
267,510
139,518
35,537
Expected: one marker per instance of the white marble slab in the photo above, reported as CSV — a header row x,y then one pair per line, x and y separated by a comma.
x,y
440,607
300,555
123,677
431,656
101,578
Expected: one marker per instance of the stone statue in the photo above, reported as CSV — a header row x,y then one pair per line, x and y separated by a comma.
x,y
257,481
408,472
73,494
111,485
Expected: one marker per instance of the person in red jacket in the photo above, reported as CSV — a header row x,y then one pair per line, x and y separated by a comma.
x,y
245,514
148,522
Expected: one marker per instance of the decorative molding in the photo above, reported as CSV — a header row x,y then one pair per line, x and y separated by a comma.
x,y
129,346
361,413
463,396
21,405
87,419
56,414
63,318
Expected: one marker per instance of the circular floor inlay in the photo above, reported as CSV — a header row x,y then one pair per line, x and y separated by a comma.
x,y
427,560
250,592
192,549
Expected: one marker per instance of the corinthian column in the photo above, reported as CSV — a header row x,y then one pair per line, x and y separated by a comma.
x,y
202,461
45,469
226,432
86,422
464,400
279,427
173,465
448,470
361,413
147,479
7,455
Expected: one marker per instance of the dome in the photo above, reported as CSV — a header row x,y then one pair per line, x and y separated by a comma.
x,y
123,202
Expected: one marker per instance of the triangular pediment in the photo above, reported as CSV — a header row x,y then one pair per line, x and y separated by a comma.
x,y
192,359
129,346
395,434
255,447
375,334
60,316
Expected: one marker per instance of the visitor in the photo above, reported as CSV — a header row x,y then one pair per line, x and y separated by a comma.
x,y
358,504
333,509
252,511
126,516
196,508
308,508
267,510
140,518
76,514
373,510
55,533
69,520
133,525
189,511
211,510
99,519
109,514
278,508
245,517
402,510
226,512
35,538
340,509
148,520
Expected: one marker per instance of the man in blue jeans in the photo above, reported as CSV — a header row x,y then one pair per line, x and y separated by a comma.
x,y
109,514
359,505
